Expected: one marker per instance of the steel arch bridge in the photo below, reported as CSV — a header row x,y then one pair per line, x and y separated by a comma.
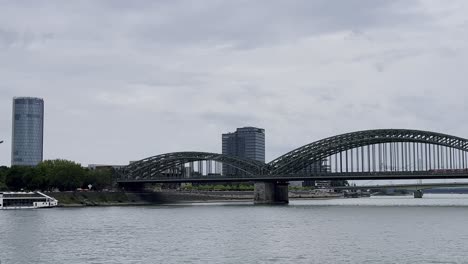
x,y
398,139
369,154
171,164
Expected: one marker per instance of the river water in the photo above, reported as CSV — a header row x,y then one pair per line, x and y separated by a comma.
x,y
366,230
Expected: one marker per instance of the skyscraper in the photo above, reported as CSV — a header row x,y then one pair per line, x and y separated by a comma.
x,y
28,131
246,142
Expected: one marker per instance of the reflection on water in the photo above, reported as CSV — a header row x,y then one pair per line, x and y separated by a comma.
x,y
376,229
428,200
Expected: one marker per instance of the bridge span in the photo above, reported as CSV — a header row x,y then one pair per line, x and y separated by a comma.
x,y
383,154
410,187
300,177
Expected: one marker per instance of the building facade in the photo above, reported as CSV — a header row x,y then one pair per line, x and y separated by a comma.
x,y
28,131
246,142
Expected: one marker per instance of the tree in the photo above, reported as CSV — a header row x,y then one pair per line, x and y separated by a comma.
x,y
99,178
17,177
3,171
62,174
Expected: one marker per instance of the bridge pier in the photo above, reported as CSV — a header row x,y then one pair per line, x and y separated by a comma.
x,y
271,193
418,194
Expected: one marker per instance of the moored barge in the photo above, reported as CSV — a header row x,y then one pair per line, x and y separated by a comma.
x,y
26,200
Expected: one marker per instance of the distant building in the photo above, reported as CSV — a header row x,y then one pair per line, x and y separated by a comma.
x,y
246,142
28,131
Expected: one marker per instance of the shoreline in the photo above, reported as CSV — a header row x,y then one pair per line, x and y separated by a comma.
x,y
104,199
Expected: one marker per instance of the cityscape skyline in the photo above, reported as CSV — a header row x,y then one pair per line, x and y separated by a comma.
x,y
301,72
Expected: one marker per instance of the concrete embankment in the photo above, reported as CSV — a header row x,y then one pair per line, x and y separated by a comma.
x,y
74,199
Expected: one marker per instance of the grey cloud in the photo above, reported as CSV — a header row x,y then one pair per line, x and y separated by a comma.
x,y
448,52
240,24
427,109
384,59
7,38
127,79
229,119
247,24
14,39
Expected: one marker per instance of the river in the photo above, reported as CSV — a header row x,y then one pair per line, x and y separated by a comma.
x,y
366,230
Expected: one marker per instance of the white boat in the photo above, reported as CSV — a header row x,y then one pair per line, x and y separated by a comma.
x,y
26,200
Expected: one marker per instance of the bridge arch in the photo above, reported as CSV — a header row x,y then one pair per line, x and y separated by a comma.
x,y
295,160
156,165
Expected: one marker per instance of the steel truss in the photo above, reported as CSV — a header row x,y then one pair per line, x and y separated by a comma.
x,y
154,166
294,161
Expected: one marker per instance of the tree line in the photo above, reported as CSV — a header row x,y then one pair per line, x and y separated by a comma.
x,y
49,175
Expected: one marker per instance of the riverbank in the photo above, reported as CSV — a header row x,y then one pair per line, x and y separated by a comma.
x,y
79,199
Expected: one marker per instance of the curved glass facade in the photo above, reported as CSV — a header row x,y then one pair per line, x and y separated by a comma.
x,y
28,131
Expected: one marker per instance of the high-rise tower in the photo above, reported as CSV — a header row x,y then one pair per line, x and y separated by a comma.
x,y
28,131
246,142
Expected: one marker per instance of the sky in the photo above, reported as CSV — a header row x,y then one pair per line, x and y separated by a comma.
x,y
125,80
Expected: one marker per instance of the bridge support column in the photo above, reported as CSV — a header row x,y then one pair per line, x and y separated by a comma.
x,y
418,194
271,193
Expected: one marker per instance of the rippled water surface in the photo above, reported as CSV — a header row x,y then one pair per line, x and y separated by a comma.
x,y
367,230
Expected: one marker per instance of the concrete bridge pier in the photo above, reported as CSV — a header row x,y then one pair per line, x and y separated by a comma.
x,y
271,193
418,194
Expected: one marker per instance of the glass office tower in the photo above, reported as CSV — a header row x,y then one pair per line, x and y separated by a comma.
x,y
28,131
246,142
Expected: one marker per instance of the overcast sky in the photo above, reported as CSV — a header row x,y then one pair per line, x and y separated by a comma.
x,y
123,80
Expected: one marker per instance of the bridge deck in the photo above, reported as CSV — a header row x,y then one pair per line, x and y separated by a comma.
x,y
420,186
324,177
